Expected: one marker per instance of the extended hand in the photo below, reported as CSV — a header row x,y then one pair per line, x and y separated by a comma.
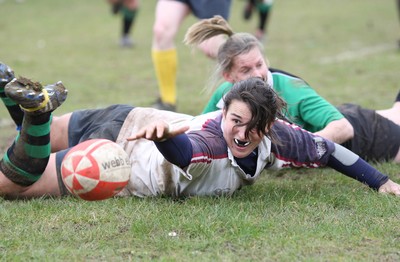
x,y
158,132
390,187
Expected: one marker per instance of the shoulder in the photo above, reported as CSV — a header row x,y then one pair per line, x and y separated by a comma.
x,y
282,73
208,140
224,88
283,79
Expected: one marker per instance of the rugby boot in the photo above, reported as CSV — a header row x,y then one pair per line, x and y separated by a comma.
x,y
33,98
6,75
160,105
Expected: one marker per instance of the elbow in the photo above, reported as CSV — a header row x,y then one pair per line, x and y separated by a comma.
x,y
348,130
338,131
343,131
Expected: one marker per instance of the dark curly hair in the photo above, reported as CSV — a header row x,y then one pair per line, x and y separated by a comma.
x,y
264,103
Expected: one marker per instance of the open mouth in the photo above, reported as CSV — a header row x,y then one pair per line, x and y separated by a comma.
x,y
240,143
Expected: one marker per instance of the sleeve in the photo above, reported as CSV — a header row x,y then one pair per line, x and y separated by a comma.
x,y
351,165
299,148
305,106
177,150
216,97
296,147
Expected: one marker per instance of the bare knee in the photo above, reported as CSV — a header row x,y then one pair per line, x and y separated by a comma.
x,y
166,26
163,36
131,4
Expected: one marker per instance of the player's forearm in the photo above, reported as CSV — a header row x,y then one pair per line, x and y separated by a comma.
x,y
177,150
338,131
350,164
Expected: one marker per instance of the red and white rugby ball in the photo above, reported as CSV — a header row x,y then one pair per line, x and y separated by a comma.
x,y
96,169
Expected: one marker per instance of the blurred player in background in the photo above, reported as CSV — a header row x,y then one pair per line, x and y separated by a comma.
x,y
398,12
263,8
169,17
128,9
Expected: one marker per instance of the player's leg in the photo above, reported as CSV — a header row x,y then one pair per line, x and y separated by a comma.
x,y
59,132
132,4
59,125
6,75
129,12
248,9
73,128
264,9
47,185
392,113
168,18
81,125
397,158
398,13
115,5
26,160
208,9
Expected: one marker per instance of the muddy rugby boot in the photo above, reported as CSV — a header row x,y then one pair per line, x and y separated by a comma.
x,y
6,75
33,97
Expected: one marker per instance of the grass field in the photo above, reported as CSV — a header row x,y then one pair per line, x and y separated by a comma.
x,y
346,50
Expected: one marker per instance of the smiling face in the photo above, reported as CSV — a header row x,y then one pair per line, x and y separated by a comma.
x,y
246,65
237,114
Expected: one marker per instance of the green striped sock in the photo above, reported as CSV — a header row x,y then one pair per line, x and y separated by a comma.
x,y
27,158
14,110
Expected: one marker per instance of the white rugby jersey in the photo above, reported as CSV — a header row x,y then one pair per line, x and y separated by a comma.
x,y
213,170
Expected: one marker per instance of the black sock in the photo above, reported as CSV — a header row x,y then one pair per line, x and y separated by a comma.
x,y
14,110
128,18
126,25
263,19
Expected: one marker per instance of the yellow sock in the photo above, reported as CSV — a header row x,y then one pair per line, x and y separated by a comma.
x,y
165,65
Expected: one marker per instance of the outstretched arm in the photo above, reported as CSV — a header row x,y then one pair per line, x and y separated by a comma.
x,y
303,149
173,144
350,164
158,132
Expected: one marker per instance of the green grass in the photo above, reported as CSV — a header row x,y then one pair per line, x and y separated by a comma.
x,y
296,215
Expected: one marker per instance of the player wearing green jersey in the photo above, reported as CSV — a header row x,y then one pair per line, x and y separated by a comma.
x,y
374,135
263,8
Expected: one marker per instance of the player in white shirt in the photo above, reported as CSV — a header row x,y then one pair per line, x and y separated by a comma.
x,y
172,154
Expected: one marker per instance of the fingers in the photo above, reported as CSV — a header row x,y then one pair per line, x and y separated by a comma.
x,y
140,134
178,131
161,128
395,190
390,187
132,138
158,132
153,132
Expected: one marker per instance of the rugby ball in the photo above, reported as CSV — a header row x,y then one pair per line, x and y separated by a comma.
x,y
96,169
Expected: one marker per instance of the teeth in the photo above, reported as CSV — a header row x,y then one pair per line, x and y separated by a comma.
x,y
241,143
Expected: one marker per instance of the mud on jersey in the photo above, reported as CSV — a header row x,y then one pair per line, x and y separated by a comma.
x,y
213,170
